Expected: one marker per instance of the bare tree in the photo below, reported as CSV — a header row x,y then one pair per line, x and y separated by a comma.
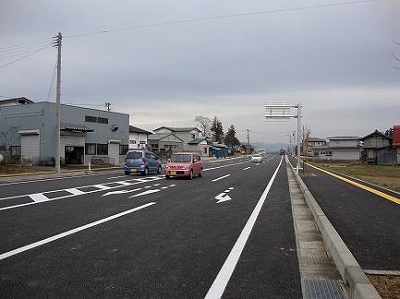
x,y
205,125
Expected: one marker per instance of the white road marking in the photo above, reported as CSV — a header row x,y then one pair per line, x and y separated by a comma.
x,y
218,287
220,178
41,197
71,232
102,187
38,197
222,197
75,191
246,168
120,192
145,193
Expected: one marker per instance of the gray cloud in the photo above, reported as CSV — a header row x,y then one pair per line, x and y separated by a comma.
x,y
166,62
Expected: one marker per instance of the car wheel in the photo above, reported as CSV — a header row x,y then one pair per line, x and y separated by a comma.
x,y
127,173
191,175
200,174
167,177
159,169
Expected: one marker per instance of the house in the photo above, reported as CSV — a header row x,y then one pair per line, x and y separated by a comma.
x,y
378,149
164,144
166,140
396,142
316,142
138,138
339,148
27,133
15,101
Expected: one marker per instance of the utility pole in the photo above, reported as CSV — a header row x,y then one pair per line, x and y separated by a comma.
x,y
57,44
248,138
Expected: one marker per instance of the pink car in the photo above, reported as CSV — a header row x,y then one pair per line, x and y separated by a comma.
x,y
184,164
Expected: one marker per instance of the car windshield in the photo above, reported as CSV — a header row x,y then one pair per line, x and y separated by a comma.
x,y
134,155
180,158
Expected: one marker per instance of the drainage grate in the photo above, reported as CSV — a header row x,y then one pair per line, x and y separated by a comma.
x,y
322,288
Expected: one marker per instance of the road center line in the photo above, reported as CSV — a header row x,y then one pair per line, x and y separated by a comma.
x,y
218,287
70,232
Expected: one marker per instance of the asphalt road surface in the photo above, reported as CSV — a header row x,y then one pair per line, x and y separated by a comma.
x,y
227,234
366,217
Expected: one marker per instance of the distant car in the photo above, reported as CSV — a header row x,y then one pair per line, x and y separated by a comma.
x,y
282,152
184,164
257,158
141,161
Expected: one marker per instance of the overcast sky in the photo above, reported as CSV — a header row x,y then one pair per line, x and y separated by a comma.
x,y
165,62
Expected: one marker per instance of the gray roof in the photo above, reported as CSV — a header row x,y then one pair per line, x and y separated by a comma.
x,y
179,129
133,129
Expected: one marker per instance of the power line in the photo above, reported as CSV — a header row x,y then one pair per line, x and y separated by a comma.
x,y
22,51
219,17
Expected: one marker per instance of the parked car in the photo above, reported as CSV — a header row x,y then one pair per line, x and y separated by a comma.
x,y
257,158
184,164
141,161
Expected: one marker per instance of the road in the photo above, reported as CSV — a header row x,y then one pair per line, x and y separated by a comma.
x,y
227,234
366,217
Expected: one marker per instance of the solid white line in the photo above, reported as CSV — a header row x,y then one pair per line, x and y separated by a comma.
x,y
70,232
220,178
218,287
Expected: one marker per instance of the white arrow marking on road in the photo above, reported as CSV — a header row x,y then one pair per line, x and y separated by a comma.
x,y
145,193
222,197
120,192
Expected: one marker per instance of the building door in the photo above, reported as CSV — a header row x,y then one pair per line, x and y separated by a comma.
x,y
30,148
74,154
113,153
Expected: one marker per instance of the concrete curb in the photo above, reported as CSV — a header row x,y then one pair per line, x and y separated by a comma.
x,y
349,269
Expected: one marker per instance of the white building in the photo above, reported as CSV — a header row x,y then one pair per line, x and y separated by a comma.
x,y
27,133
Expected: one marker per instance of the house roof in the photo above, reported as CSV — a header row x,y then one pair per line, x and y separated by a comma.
x,y
374,135
344,138
316,139
159,136
197,140
16,101
133,129
179,129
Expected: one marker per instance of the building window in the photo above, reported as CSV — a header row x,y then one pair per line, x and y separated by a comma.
x,y
15,151
123,149
193,136
102,149
132,141
90,148
102,120
91,119
95,119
